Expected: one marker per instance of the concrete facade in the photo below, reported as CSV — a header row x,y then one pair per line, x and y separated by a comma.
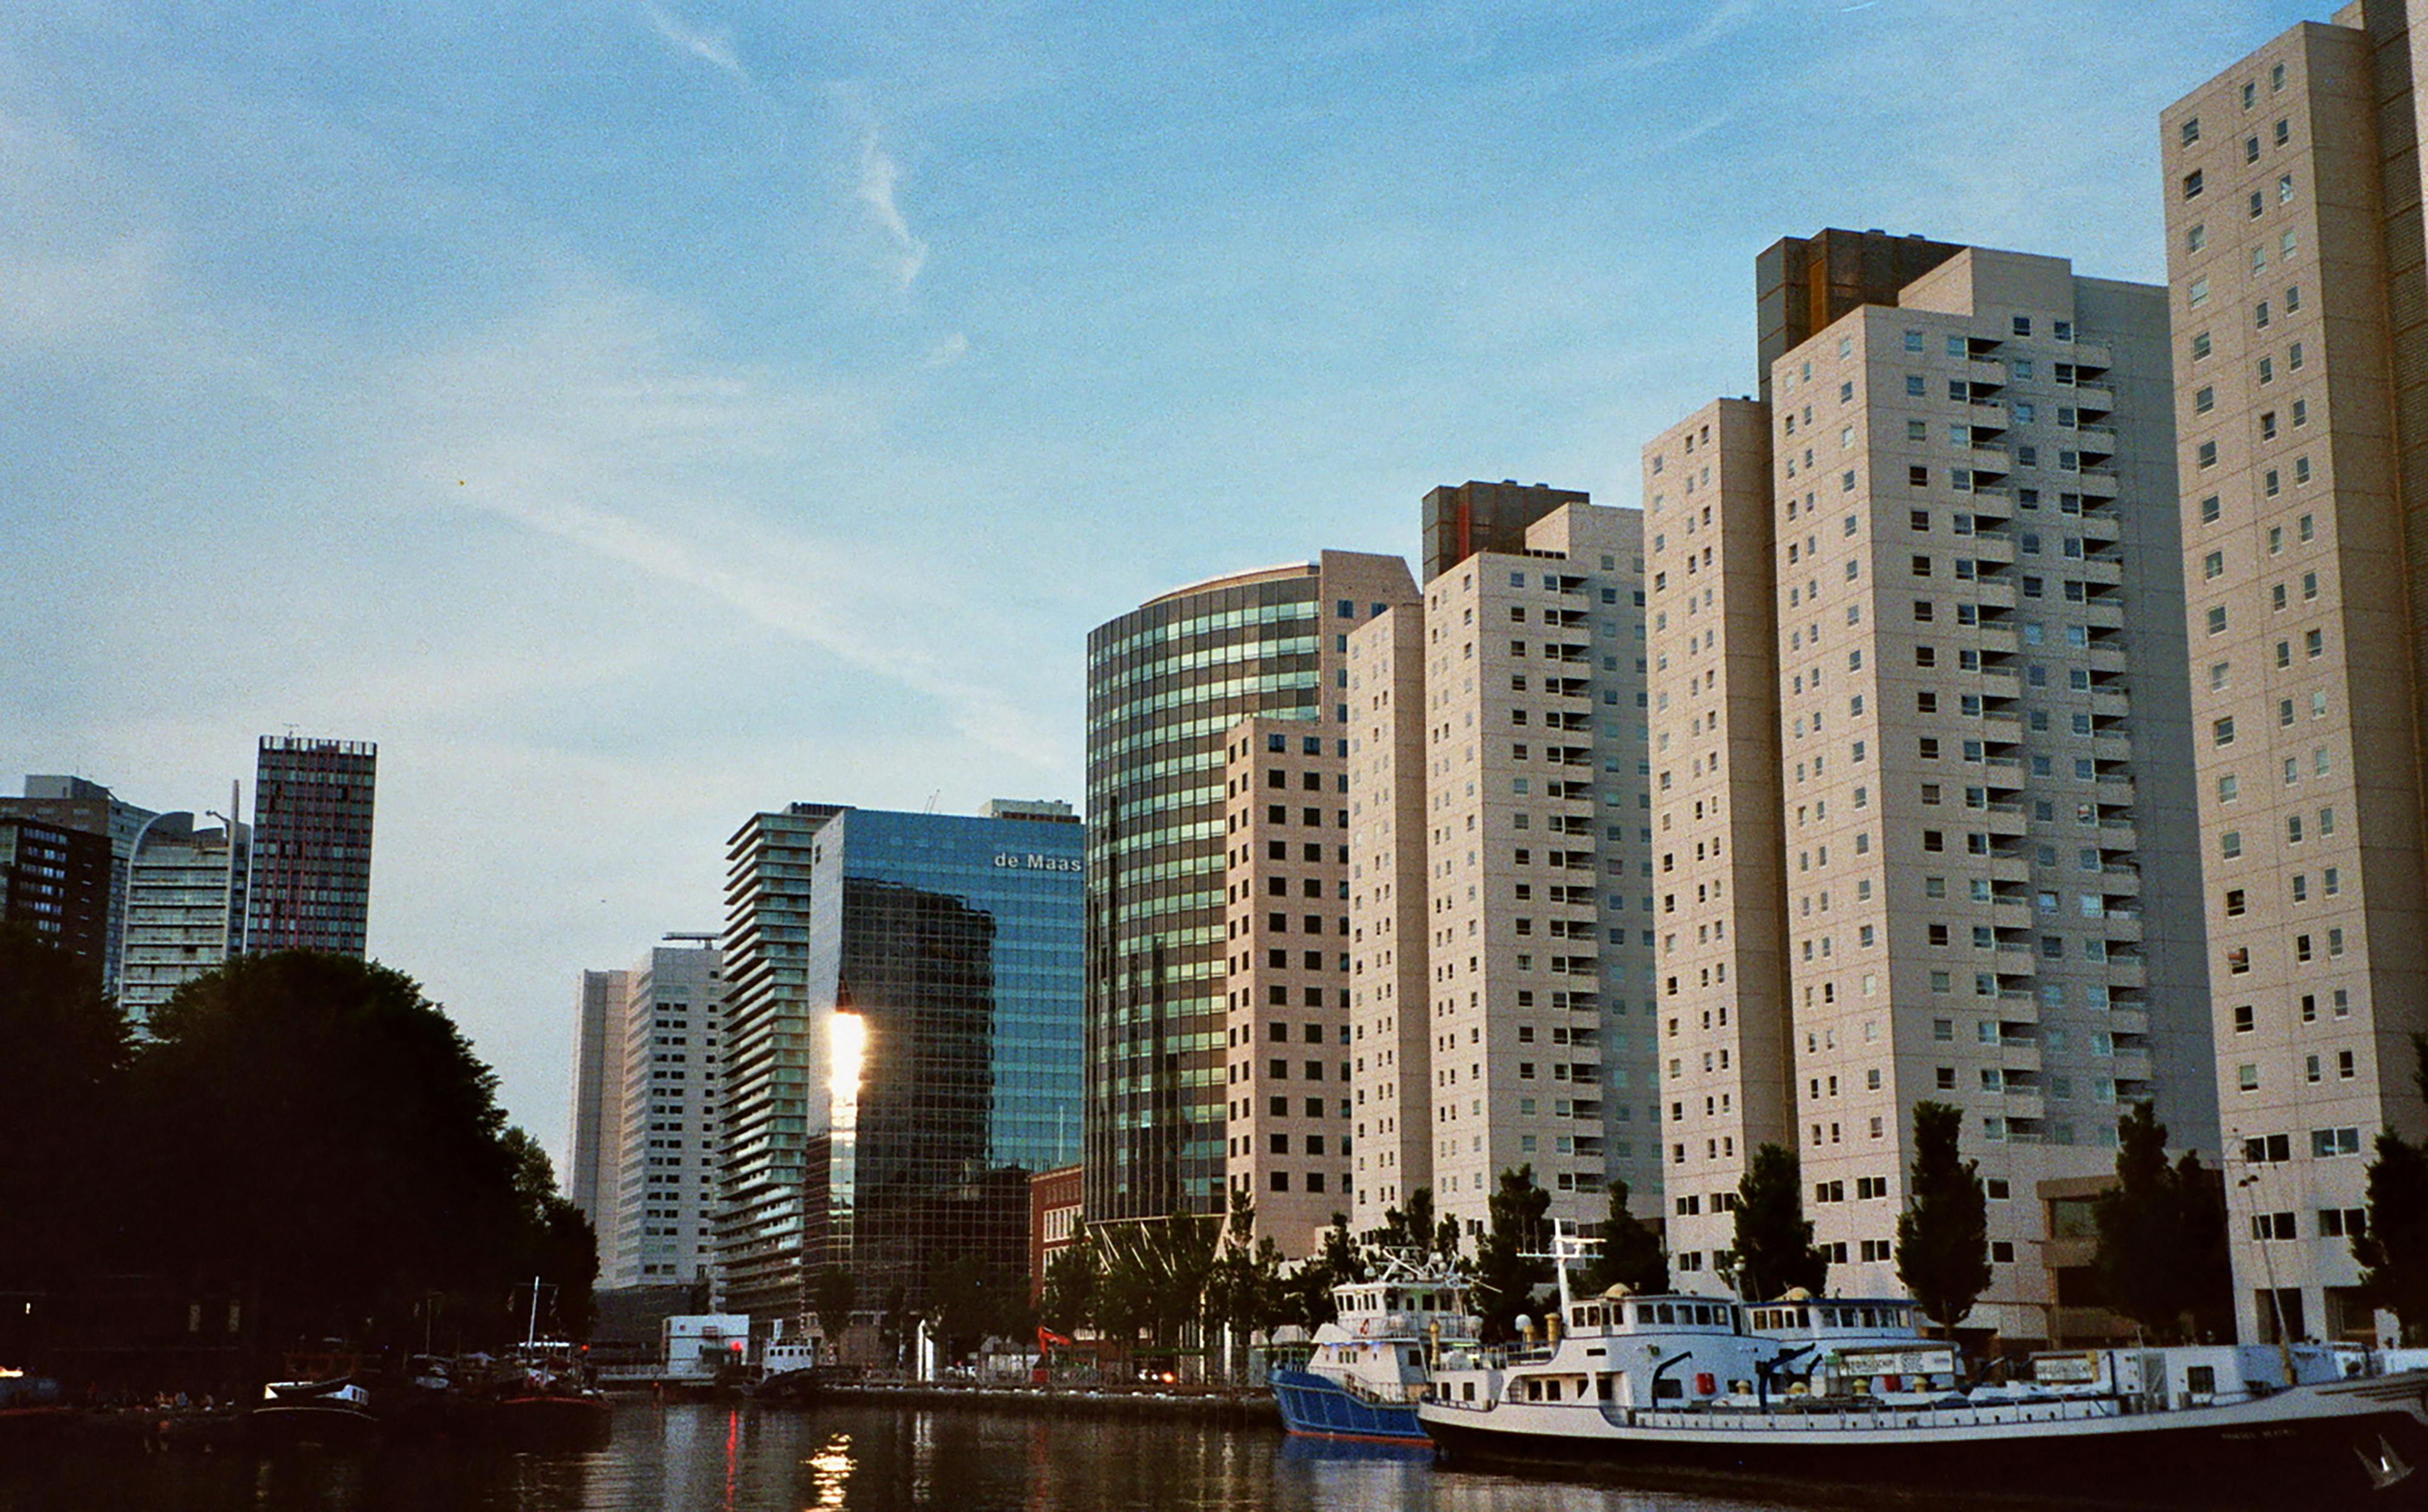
x,y
2294,265
595,1107
1285,999
668,1090
1985,864
1531,839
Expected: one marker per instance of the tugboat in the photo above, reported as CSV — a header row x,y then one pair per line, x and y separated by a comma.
x,y
1370,1363
333,1413
1844,1390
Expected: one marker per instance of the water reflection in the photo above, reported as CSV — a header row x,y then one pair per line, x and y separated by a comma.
x,y
693,1458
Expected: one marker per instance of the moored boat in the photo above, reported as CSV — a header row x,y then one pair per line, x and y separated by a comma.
x,y
1370,1364
1846,1392
323,1414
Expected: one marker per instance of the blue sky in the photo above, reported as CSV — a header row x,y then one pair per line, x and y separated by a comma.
x,y
635,414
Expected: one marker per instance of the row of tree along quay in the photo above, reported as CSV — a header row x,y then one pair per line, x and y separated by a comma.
x,y
302,1156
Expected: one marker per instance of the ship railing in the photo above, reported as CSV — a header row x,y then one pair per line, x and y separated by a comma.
x,y
1854,1419
1403,1395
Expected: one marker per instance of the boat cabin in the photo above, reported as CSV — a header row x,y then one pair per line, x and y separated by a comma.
x,y
1625,1314
1825,1319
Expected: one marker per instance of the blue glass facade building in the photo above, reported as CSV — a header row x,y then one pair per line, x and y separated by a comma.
x,y
943,1036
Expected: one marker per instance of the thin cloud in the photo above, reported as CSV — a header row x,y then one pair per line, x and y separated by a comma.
x,y
714,48
878,174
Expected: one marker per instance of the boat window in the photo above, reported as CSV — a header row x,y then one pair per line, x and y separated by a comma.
x,y
1669,1314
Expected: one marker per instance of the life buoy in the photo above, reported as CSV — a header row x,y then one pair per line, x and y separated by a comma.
x,y
1365,1327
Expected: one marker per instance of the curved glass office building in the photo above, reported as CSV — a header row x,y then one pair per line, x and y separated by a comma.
x,y
1167,684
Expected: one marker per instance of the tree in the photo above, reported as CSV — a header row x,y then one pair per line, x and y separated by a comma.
x,y
2394,1249
1507,1263
1336,1263
1243,1285
968,1303
553,1241
1775,1252
64,1054
832,1291
1418,1230
1155,1274
324,1142
1630,1252
1070,1300
1942,1237
2161,1256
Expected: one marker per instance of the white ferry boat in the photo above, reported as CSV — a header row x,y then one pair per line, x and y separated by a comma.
x,y
1844,1390
1370,1363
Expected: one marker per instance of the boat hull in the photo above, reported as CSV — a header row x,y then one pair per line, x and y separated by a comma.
x,y
2232,1456
1315,1407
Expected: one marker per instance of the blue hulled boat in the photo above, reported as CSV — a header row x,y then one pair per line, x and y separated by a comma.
x,y
1371,1364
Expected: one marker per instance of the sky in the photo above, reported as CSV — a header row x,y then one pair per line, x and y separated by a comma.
x,y
634,416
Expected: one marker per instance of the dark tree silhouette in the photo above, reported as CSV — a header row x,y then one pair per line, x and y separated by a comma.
x,y
1518,1229
1630,1252
2162,1259
1418,1228
324,1143
64,1054
2394,1249
832,1291
1942,1237
1773,1252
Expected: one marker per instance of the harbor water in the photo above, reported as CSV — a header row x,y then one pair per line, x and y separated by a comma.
x,y
715,1458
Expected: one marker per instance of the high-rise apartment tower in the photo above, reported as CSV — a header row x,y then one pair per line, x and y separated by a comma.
x,y
311,878
1923,821
2301,363
1497,891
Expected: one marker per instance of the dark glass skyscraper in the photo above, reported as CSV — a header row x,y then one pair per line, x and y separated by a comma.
x,y
311,881
931,1027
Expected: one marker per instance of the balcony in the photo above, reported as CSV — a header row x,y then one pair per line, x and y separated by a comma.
x,y
2000,640
2123,929
1994,593
2129,971
2103,572
2097,440
2094,399
2098,482
1985,372
2091,357
2111,703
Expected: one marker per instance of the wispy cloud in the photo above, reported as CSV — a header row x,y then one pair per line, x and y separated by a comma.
x,y
595,422
713,47
878,174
